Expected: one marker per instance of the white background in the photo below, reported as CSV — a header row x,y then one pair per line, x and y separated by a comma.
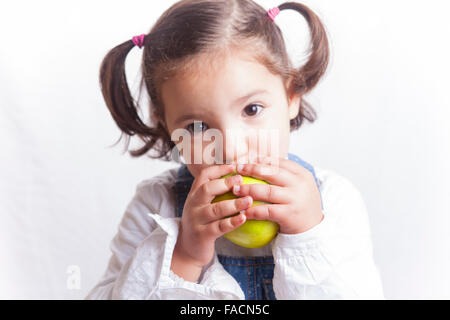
x,y
383,123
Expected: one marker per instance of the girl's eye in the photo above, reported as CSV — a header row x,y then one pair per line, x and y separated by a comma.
x,y
196,126
252,109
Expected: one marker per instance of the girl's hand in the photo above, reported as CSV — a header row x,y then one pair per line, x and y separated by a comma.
x,y
202,222
293,194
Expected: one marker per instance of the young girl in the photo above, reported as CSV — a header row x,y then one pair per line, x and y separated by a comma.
x,y
224,64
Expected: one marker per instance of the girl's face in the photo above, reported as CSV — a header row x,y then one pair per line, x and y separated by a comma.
x,y
239,95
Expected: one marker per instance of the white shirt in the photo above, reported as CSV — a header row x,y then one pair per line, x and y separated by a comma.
x,y
333,260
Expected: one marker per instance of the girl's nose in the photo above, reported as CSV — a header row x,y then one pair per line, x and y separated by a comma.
x,y
235,148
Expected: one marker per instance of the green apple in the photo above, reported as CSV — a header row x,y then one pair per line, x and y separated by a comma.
x,y
253,233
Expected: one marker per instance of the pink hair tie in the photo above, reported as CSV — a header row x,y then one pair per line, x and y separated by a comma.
x,y
139,40
273,13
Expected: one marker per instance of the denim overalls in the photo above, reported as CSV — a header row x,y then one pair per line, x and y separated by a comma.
x,y
254,274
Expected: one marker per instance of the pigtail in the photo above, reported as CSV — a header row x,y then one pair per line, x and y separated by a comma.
x,y
119,101
311,72
307,77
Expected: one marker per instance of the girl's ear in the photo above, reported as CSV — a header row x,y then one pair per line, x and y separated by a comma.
x,y
294,106
294,100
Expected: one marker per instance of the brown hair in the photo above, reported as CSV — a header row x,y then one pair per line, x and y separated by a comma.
x,y
191,28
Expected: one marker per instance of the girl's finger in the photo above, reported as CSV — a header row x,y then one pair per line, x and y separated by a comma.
x,y
273,212
219,227
209,190
286,164
223,209
263,192
271,174
211,173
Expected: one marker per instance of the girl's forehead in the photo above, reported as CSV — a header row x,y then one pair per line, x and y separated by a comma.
x,y
214,61
229,70
234,78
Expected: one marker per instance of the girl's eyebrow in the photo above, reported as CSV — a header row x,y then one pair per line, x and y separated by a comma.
x,y
248,96
237,101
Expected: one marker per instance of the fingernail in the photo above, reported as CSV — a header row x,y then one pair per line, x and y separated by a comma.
x,y
236,188
240,167
239,179
242,212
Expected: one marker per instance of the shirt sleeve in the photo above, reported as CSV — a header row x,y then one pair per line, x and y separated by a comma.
x,y
332,260
139,267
